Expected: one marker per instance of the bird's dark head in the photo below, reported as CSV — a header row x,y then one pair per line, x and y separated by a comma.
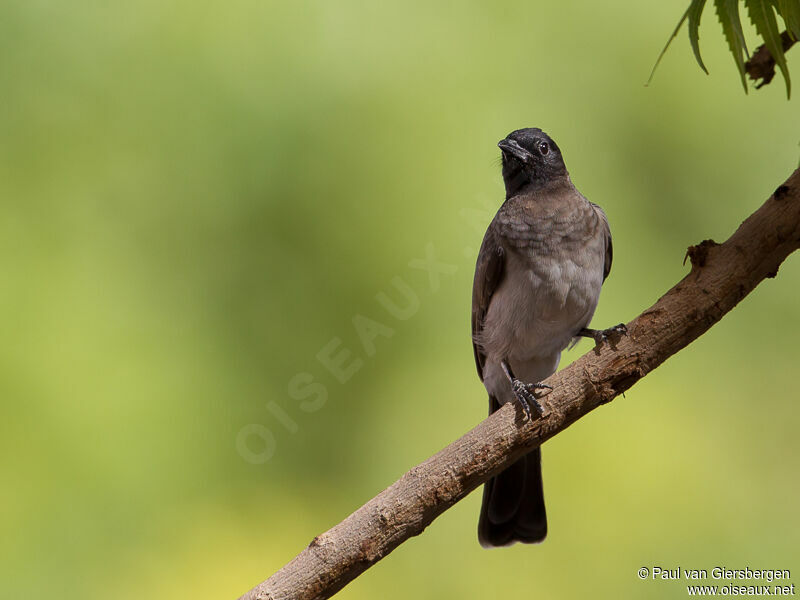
x,y
530,158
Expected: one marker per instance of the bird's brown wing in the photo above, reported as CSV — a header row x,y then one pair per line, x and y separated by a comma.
x,y
488,275
607,234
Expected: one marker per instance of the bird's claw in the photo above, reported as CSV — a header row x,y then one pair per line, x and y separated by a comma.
x,y
602,335
525,393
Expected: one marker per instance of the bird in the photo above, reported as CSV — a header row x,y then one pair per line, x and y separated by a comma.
x,y
538,275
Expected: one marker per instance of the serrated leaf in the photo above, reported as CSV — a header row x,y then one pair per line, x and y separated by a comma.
x,y
763,17
669,41
728,14
789,11
695,12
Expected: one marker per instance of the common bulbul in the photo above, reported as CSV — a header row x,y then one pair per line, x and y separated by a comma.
x,y
538,276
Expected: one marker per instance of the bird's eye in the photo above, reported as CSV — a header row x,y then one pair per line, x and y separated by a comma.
x,y
544,148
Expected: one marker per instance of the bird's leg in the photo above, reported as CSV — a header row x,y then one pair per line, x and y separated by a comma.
x,y
525,393
601,335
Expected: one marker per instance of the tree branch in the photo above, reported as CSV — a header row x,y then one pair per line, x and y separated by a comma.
x,y
721,275
762,64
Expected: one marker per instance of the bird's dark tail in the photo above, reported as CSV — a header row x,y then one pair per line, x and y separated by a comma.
x,y
513,504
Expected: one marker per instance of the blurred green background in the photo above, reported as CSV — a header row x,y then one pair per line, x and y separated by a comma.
x,y
197,197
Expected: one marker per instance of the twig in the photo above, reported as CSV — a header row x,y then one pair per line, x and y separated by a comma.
x,y
721,275
762,64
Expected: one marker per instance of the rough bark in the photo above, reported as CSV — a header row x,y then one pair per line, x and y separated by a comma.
x,y
721,275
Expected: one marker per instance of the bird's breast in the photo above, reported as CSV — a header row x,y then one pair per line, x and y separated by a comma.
x,y
543,301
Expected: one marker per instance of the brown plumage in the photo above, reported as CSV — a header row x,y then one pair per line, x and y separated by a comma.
x,y
537,281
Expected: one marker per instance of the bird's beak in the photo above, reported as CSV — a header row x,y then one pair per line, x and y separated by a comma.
x,y
512,148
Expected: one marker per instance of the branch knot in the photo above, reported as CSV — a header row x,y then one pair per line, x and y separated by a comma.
x,y
698,254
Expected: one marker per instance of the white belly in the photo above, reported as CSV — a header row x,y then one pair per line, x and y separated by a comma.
x,y
534,314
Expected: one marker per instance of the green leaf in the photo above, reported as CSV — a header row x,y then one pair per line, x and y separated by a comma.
x,y
763,17
669,41
695,12
789,10
728,13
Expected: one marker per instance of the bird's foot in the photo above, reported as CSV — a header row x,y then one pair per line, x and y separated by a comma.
x,y
525,393
602,335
